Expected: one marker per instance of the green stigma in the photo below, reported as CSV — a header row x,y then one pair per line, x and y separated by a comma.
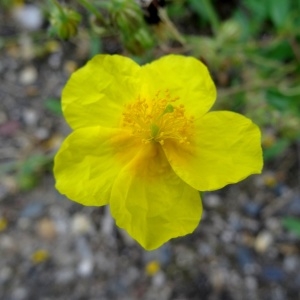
x,y
169,109
154,130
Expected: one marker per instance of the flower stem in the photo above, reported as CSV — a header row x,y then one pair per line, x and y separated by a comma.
x,y
92,9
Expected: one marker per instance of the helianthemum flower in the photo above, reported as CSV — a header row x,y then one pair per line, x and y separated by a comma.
x,y
145,143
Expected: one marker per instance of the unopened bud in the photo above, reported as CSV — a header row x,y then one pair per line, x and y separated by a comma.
x,y
64,22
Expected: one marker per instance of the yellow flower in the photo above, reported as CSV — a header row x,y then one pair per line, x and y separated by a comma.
x,y
145,143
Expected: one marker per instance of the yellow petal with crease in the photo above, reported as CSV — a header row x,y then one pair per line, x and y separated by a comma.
x,y
151,202
227,149
96,93
88,162
185,78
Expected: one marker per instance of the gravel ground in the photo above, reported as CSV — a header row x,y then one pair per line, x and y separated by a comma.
x,y
52,248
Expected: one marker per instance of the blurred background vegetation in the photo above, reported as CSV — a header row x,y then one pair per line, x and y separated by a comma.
x,y
250,232
251,47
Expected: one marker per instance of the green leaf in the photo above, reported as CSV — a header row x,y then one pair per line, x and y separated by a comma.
x,y
95,44
276,149
53,105
30,171
257,8
277,100
280,51
205,10
292,224
279,11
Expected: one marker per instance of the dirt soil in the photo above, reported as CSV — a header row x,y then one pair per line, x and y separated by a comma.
x,y
53,248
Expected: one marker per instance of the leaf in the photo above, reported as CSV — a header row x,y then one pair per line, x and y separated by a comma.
x,y
30,171
205,9
279,11
54,105
277,100
292,224
276,149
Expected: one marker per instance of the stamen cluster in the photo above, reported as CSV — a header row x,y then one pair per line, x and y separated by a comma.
x,y
158,119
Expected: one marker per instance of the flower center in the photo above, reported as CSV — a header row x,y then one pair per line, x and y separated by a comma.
x,y
158,120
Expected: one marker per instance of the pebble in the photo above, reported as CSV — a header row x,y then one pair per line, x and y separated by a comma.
x,y
251,283
159,279
46,229
246,260
28,16
19,293
41,133
252,209
291,263
28,75
212,200
263,241
64,276
6,274
218,278
293,207
272,274
32,210
85,267
184,257
30,117
107,222
81,225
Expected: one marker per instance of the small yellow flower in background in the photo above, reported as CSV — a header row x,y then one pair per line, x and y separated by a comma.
x,y
39,256
3,224
144,142
152,267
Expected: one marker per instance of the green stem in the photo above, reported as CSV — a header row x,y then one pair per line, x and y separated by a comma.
x,y
212,16
176,34
92,9
57,4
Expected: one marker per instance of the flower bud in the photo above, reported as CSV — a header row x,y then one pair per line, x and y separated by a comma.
x,y
230,31
64,22
126,15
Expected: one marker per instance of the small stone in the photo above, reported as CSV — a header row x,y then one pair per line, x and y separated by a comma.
x,y
252,209
291,263
70,66
85,267
46,229
28,75
41,133
246,260
251,283
33,210
7,243
30,117
65,276
227,236
5,274
273,273
159,279
19,293
263,241
28,17
212,200
81,224
218,278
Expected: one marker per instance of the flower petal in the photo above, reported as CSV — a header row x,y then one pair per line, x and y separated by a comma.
x,y
227,150
95,94
152,203
88,162
184,77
